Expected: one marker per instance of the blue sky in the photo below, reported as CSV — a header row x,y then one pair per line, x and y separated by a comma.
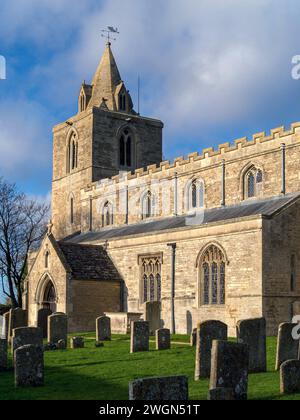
x,y
212,70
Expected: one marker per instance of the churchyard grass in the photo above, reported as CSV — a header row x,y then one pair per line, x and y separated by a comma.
x,y
103,373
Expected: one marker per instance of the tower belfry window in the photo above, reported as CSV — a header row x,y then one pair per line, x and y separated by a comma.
x,y
126,149
72,153
122,102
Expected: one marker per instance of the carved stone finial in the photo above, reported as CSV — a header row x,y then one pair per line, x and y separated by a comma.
x,y
49,226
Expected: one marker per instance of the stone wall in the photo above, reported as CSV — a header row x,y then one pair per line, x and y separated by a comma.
x,y
265,152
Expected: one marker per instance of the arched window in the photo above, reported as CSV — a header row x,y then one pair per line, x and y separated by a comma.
x,y
212,276
126,150
107,215
195,195
47,255
151,278
72,152
147,205
253,180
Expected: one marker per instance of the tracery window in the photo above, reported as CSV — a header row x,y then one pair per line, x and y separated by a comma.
x,y
253,180
150,267
212,276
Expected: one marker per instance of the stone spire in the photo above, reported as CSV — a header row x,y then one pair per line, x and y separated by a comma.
x,y
107,83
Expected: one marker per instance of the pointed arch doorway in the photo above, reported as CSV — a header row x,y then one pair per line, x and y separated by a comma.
x,y
49,298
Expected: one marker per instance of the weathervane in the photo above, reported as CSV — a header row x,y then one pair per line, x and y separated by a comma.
x,y
107,33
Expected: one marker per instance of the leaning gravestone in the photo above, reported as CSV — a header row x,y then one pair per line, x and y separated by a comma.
x,y
253,333
3,354
229,367
139,336
162,339
57,327
170,388
17,319
29,366
207,332
103,329
290,377
152,315
27,335
42,320
77,343
287,346
193,338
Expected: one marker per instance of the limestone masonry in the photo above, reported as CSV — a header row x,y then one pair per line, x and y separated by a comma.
x,y
214,236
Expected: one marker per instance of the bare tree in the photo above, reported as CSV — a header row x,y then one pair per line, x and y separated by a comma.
x,y
22,226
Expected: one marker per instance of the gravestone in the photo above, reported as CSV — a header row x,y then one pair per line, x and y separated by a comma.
x,y
6,322
61,344
207,332
290,377
27,335
139,336
42,321
253,333
57,327
103,329
152,315
77,343
163,339
193,339
17,319
29,366
229,367
170,388
287,346
221,394
3,354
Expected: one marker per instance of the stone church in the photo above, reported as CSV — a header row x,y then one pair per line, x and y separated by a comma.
x,y
215,235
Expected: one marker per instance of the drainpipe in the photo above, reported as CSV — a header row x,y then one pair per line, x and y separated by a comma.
x,y
283,152
173,262
91,215
223,191
126,205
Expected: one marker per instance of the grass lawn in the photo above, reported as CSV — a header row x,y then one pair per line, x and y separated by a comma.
x,y
104,373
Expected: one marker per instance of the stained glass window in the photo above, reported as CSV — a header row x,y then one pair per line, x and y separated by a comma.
x,y
214,283
251,185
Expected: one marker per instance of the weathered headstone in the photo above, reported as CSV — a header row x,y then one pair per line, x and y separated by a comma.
x,y
77,343
207,332
29,366
287,346
57,327
139,336
229,367
290,377
152,315
103,329
42,320
170,388
26,335
221,394
193,339
17,319
6,322
163,339
253,333
3,354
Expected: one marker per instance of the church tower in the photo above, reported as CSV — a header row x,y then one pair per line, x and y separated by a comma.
x,y
105,137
